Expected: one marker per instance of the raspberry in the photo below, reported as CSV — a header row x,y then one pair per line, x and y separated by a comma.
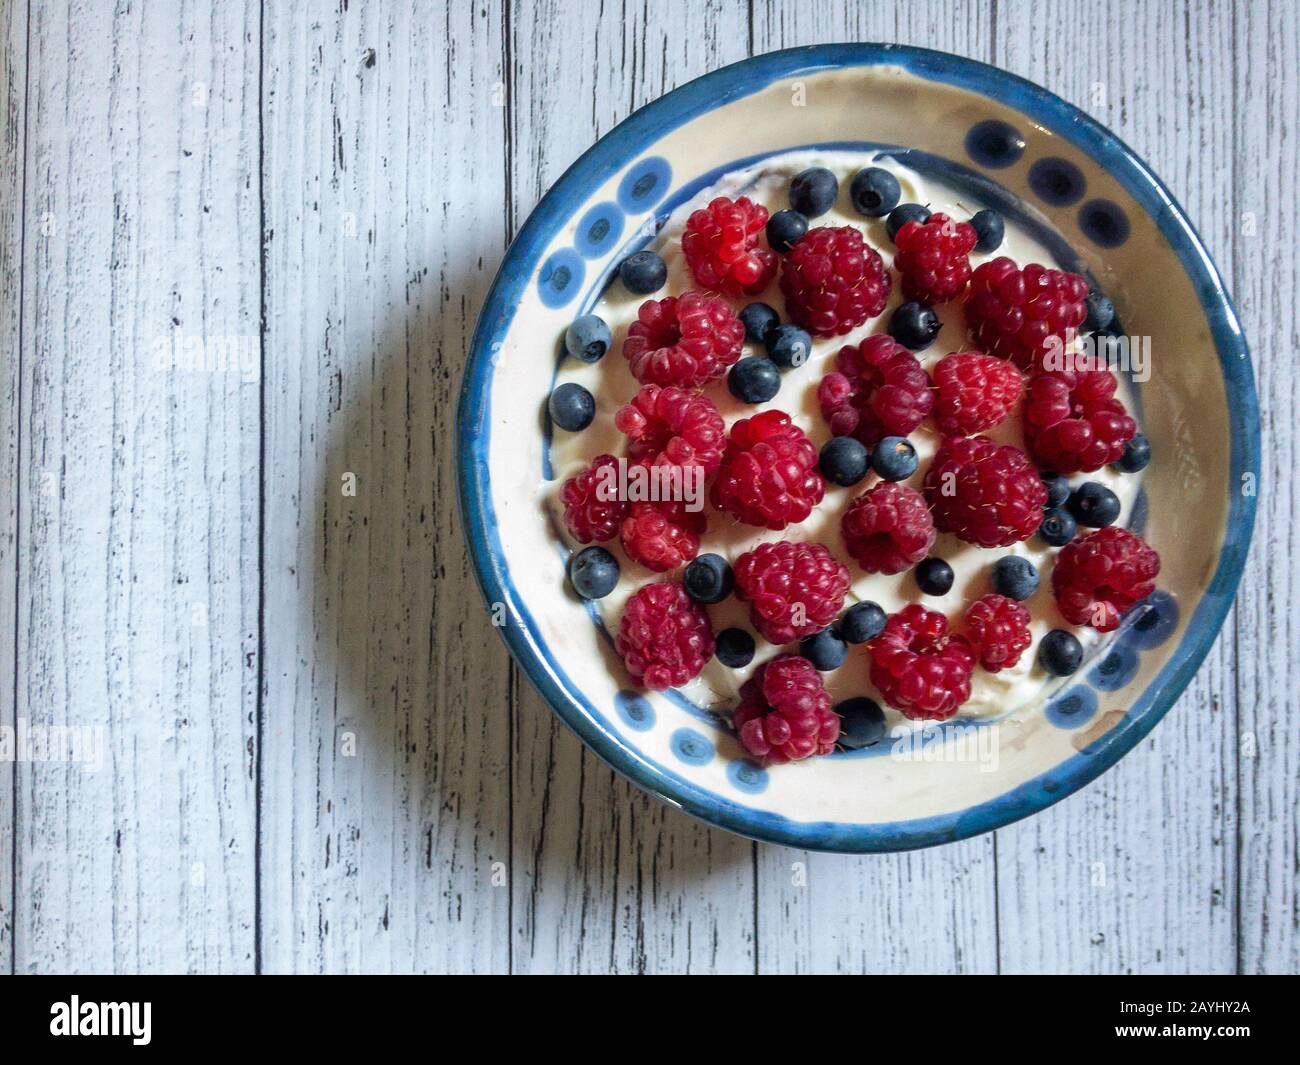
x,y
975,392
664,636
878,389
662,535
888,529
769,475
986,494
680,427
1101,576
784,713
933,257
1073,422
683,340
721,247
999,628
920,668
793,589
588,517
833,281
1011,313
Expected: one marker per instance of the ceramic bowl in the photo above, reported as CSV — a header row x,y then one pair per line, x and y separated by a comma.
x,y
1003,142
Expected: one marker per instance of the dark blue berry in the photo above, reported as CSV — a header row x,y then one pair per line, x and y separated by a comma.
x,y
862,622
593,572
862,723
785,229
758,319
1137,455
1060,653
914,325
1058,527
1058,490
709,579
844,461
824,649
1015,577
789,346
734,648
1101,312
643,273
894,459
904,213
874,192
754,379
587,339
934,576
989,230
1093,505
572,407
814,191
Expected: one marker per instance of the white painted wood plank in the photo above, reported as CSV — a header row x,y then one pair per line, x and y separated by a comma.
x,y
1262,197
137,573
385,724
605,878
1137,872
928,911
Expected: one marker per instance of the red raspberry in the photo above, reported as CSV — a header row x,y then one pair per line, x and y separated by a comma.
x,y
793,589
878,389
986,494
999,628
888,529
975,392
683,340
662,535
1100,577
683,428
785,713
833,281
769,475
1011,312
721,247
588,517
920,668
1073,422
934,258
665,637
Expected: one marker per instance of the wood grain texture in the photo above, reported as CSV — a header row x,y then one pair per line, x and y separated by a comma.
x,y
137,570
385,719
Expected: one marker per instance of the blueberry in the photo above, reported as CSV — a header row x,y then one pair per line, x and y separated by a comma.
x,y
754,379
789,346
814,191
1101,312
587,339
862,723
1015,577
1137,454
904,213
1093,505
894,459
785,229
844,461
862,622
1058,490
643,273
593,572
709,579
758,319
734,648
874,192
934,576
1060,653
1058,527
572,407
914,325
989,230
824,649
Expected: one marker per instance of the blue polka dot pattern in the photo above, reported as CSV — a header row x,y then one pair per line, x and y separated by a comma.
x,y
1057,181
691,747
1152,622
635,710
747,776
561,278
1118,666
645,184
994,144
1104,223
599,230
1074,708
